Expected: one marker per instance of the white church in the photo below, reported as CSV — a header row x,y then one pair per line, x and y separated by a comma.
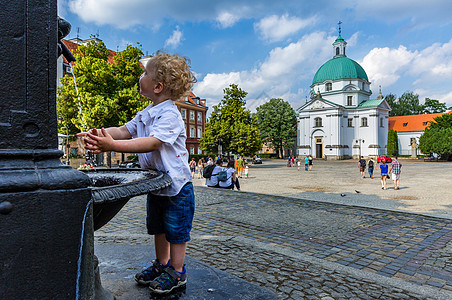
x,y
340,121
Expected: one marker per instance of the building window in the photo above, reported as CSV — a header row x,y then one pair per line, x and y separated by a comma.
x,y
199,133
405,124
199,117
363,122
424,123
192,132
337,50
349,100
328,86
192,150
192,115
382,124
183,112
350,122
318,122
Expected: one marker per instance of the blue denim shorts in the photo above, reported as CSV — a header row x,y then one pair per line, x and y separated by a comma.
x,y
172,216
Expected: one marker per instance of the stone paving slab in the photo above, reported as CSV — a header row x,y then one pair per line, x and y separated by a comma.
x,y
118,264
304,249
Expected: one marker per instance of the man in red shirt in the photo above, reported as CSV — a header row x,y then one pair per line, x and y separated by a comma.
x,y
395,169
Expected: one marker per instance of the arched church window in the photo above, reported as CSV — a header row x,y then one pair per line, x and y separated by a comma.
x,y
337,50
364,122
328,86
318,122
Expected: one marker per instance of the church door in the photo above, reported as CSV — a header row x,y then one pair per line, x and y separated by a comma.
x,y
318,148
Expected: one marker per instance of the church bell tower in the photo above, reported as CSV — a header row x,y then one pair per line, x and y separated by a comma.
x,y
339,44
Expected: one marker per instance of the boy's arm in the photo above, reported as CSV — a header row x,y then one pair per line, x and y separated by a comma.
x,y
105,142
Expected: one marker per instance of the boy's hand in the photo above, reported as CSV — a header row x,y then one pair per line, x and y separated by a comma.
x,y
93,131
99,141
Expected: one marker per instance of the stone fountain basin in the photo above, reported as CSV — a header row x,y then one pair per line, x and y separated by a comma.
x,y
112,189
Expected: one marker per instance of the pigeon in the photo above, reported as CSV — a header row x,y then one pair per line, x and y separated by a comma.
x,y
357,191
342,195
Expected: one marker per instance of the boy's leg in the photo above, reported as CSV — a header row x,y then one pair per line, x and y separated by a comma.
x,y
162,248
178,219
178,256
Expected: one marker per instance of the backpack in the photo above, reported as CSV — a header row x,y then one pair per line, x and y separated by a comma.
x,y
207,171
371,164
223,175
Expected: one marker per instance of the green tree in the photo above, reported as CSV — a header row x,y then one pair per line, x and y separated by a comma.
x,y
407,104
393,143
277,124
108,93
391,99
437,137
231,126
432,106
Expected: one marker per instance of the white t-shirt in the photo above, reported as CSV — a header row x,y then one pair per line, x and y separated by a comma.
x,y
213,180
228,182
165,123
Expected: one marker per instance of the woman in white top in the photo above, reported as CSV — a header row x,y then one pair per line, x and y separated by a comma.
x,y
231,177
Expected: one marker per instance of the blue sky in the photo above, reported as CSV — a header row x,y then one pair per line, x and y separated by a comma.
x,y
272,49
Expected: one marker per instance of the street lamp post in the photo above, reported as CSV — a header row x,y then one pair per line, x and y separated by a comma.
x,y
359,141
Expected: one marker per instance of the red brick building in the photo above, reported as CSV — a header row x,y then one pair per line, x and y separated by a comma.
x,y
193,110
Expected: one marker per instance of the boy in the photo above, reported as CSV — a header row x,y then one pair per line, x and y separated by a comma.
x,y
362,166
158,134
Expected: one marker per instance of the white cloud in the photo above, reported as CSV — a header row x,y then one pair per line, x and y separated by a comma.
x,y
427,71
227,19
175,39
276,28
277,75
434,63
384,66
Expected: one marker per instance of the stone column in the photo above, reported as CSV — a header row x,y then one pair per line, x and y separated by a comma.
x,y
46,248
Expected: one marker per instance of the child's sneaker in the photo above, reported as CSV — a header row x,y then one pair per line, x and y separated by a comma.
x,y
169,280
147,275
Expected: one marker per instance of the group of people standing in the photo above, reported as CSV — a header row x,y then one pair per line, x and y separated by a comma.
x,y
295,161
394,168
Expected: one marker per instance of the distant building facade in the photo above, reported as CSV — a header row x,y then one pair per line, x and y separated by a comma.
x,y
193,110
340,120
409,130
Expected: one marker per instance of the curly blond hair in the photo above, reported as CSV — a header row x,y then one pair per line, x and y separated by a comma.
x,y
174,72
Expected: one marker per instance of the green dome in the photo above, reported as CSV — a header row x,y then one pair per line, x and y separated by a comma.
x,y
340,67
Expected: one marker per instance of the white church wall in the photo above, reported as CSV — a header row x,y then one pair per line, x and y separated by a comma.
x,y
383,133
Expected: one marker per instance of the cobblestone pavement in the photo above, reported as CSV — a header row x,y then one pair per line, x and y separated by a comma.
x,y
303,249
